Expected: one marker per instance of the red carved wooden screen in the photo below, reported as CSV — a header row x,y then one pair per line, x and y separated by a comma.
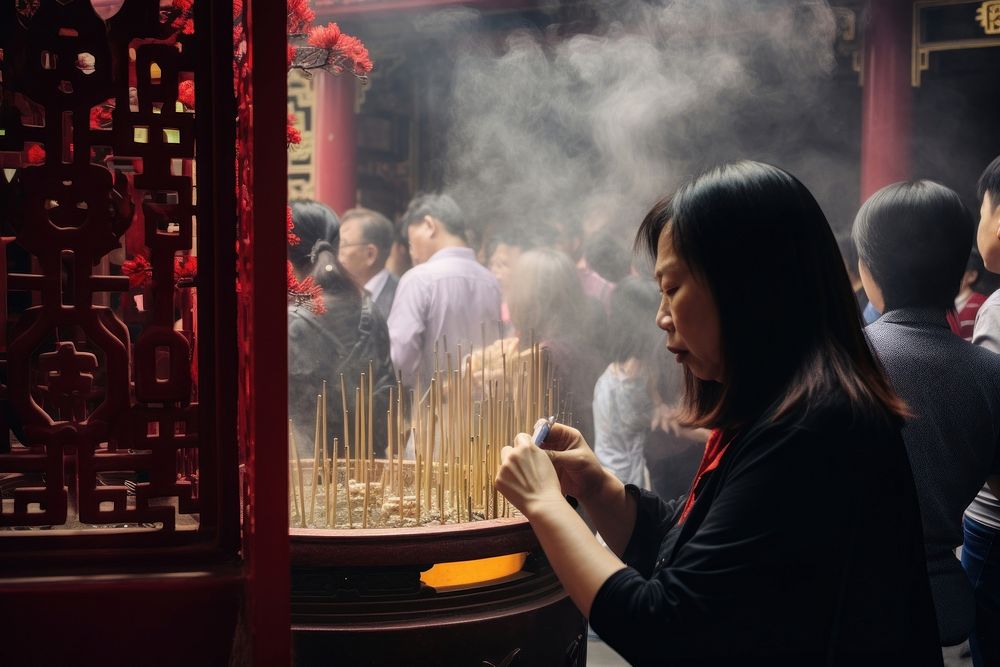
x,y
116,350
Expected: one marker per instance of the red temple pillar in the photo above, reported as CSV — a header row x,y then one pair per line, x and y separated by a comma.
x,y
335,144
886,100
264,388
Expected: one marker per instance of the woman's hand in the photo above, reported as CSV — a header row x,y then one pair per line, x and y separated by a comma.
x,y
526,476
580,473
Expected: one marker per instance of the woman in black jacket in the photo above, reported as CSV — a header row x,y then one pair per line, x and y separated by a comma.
x,y
345,336
800,540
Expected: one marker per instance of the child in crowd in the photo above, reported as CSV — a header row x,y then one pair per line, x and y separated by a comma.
x,y
977,285
981,548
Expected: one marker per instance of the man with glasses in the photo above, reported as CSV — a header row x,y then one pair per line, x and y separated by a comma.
x,y
365,243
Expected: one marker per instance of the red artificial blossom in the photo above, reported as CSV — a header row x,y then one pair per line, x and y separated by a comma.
x,y
293,238
101,115
185,269
292,134
36,154
305,293
185,93
184,21
140,271
300,16
327,47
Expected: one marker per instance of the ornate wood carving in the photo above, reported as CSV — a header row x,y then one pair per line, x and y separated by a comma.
x,y
101,393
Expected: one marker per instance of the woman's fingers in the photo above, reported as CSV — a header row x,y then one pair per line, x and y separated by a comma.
x,y
522,440
505,454
562,437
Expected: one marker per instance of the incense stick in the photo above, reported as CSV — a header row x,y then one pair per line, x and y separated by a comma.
x,y
312,495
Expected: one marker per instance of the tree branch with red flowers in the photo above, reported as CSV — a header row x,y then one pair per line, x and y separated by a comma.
x,y
310,48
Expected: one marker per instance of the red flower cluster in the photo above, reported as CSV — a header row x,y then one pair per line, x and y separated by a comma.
x,y
325,36
185,93
305,293
344,50
293,135
36,154
138,270
355,51
293,238
100,116
184,21
185,269
291,54
299,16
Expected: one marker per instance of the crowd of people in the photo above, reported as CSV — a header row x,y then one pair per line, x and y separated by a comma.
x,y
783,489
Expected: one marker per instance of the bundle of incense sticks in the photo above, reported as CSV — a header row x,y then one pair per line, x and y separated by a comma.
x,y
455,429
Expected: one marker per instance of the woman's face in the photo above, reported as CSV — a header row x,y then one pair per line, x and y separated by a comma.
x,y
687,313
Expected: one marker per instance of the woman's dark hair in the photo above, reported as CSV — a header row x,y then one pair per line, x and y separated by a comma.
x,y
914,238
318,230
633,300
791,334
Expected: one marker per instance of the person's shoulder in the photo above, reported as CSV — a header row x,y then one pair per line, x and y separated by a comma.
x,y
988,319
878,329
417,276
299,315
833,416
991,305
890,341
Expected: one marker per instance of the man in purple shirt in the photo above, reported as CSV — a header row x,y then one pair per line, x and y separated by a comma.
x,y
446,295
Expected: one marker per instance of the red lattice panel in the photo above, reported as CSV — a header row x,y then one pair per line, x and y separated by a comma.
x,y
100,395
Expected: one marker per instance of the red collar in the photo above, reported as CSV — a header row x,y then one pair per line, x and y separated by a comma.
x,y
715,447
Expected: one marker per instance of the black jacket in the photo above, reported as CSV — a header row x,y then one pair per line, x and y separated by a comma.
x,y
321,347
804,547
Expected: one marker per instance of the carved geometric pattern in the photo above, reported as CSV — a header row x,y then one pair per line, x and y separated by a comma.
x,y
100,393
302,106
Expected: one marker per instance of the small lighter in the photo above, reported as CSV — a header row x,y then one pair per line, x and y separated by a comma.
x,y
542,430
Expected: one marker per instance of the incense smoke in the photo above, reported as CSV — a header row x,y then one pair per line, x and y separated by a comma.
x,y
596,126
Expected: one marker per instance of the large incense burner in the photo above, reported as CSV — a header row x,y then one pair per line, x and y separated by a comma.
x,y
413,558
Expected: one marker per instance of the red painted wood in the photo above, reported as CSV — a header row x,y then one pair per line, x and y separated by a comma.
x,y
388,547
180,619
266,520
886,101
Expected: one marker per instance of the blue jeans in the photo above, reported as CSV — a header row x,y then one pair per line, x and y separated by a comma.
x,y
981,560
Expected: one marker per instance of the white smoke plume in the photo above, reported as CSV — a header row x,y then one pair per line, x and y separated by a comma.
x,y
601,124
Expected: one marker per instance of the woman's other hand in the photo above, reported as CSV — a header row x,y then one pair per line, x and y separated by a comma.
x,y
580,473
526,476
